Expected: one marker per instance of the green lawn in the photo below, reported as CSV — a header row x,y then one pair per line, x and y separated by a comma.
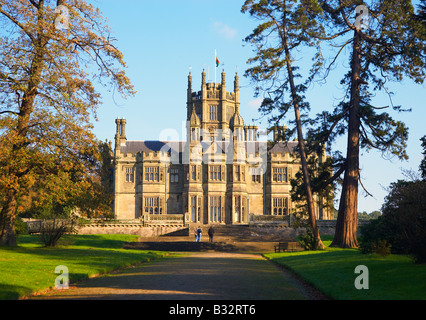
x,y
332,271
30,267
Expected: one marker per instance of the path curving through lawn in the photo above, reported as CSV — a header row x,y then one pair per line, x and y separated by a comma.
x,y
193,276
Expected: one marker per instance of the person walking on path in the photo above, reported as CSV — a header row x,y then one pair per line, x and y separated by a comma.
x,y
196,234
211,233
199,231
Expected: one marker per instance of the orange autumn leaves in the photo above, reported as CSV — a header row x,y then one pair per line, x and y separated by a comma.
x,y
48,91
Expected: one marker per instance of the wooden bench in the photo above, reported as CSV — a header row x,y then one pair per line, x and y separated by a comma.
x,y
286,246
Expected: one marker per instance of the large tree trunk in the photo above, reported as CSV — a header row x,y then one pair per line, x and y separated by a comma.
x,y
8,212
7,219
346,226
302,152
306,180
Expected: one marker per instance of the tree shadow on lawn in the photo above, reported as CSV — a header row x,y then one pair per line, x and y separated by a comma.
x,y
103,259
93,241
330,259
88,255
11,292
333,272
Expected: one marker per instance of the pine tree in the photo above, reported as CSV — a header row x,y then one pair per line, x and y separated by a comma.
x,y
423,162
293,25
387,46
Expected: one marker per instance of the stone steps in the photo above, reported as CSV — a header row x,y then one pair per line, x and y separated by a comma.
x,y
246,233
236,238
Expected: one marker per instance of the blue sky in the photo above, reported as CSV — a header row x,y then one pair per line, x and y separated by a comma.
x,y
162,40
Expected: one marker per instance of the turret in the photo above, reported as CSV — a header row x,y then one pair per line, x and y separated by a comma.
x,y
195,126
189,97
223,87
279,133
250,133
237,124
120,134
203,85
237,89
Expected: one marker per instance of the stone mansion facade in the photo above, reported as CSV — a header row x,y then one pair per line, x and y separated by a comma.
x,y
220,174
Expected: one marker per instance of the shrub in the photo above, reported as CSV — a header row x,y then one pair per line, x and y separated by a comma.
x,y
372,233
20,226
403,223
382,247
308,240
53,230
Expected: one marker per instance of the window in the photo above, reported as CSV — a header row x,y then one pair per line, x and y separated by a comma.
x,y
215,173
193,208
237,209
255,178
215,209
153,205
213,113
279,175
239,173
152,174
174,175
280,206
195,134
194,172
130,176
255,175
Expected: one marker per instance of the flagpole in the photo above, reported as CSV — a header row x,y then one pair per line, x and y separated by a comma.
x,y
215,66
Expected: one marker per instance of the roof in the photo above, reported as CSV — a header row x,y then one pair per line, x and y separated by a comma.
x,y
195,120
179,146
284,146
152,146
237,120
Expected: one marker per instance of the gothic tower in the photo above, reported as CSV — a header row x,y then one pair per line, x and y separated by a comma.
x,y
210,111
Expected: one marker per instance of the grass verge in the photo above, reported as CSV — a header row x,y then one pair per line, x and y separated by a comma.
x,y
29,267
332,271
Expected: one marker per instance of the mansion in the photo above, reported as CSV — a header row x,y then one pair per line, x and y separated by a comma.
x,y
222,173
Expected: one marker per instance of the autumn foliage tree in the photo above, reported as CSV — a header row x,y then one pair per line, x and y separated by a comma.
x,y
52,54
88,192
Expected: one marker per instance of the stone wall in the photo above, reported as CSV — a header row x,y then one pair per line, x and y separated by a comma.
x,y
258,229
328,227
135,229
275,227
